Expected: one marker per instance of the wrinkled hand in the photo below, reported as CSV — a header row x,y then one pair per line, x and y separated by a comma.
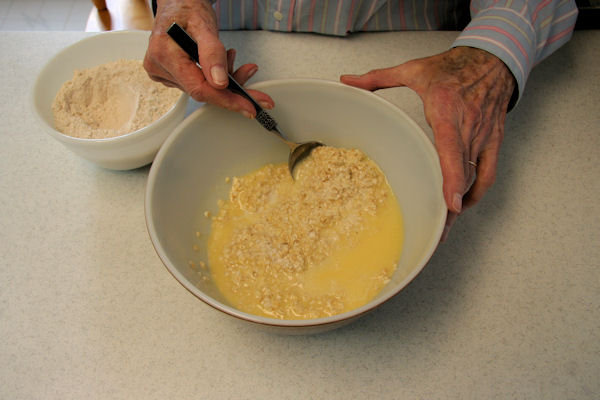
x,y
167,63
465,93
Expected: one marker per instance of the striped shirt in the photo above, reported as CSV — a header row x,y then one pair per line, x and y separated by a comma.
x,y
519,32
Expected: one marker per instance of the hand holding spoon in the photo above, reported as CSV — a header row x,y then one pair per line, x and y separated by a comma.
x,y
298,151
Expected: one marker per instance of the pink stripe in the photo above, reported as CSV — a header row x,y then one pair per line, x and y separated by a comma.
x,y
402,16
559,35
291,14
538,9
499,45
503,33
311,15
349,23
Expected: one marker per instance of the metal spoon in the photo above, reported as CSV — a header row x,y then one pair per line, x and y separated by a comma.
x,y
298,151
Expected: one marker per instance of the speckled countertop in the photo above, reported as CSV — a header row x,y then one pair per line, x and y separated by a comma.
x,y
508,308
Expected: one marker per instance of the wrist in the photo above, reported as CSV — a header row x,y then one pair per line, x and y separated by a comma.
x,y
501,72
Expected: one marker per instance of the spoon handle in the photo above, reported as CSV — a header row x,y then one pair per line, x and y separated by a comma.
x,y
185,41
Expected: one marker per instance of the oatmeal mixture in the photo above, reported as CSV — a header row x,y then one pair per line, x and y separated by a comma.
x,y
323,244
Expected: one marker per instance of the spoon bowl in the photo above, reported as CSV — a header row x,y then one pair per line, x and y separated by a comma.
x,y
299,152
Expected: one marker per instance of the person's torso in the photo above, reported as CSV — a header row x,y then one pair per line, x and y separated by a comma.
x,y
340,17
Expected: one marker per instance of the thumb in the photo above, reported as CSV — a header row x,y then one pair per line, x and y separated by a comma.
x,y
401,75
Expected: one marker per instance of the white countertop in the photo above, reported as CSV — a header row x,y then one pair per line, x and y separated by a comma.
x,y
508,308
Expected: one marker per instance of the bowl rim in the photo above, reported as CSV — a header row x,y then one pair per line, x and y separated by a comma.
x,y
37,84
274,322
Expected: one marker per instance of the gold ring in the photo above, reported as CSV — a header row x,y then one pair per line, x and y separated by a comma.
x,y
473,163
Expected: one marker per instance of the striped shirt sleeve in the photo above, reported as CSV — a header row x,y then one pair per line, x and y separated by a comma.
x,y
519,32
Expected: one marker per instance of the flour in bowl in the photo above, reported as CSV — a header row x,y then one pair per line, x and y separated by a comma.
x,y
110,100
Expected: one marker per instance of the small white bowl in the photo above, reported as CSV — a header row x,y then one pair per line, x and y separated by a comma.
x,y
123,152
188,177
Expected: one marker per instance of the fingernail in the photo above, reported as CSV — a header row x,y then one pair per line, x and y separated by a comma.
x,y
457,202
218,74
252,72
266,105
247,114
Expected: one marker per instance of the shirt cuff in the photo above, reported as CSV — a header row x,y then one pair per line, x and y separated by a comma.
x,y
507,35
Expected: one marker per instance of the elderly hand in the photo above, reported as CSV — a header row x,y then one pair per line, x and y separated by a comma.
x,y
465,93
167,63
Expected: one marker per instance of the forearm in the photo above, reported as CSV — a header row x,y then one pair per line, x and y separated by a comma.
x,y
521,33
